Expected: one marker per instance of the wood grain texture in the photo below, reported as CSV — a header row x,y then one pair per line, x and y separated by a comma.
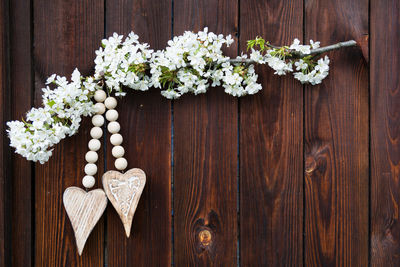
x,y
124,191
145,119
271,146
21,86
66,33
336,140
271,214
205,153
385,133
5,222
84,209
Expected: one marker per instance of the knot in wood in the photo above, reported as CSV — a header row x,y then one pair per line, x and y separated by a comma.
x,y
205,237
310,164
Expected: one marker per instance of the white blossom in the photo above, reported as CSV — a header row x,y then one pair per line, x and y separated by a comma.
x,y
257,56
313,75
314,45
304,49
123,63
191,63
301,65
59,117
279,64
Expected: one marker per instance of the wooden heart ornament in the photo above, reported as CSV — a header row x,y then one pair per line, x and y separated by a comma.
x,y
84,210
124,191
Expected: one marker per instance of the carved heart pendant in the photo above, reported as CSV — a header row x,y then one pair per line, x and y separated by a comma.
x,y
84,210
124,191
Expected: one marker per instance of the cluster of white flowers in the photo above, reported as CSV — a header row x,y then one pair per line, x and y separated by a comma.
x,y
277,61
313,75
239,80
59,117
191,63
123,63
194,61
309,71
282,59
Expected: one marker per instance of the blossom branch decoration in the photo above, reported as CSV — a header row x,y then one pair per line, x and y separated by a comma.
x,y
191,63
318,51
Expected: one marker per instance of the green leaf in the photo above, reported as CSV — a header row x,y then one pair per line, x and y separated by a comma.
x,y
250,44
51,103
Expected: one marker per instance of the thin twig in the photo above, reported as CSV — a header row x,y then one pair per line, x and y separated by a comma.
x,y
324,49
296,54
272,46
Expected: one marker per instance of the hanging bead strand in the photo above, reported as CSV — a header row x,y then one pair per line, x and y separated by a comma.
x,y
116,139
94,144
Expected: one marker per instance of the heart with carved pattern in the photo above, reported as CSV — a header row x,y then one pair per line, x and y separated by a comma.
x,y
84,210
124,191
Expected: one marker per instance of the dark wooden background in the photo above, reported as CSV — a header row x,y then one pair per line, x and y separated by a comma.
x,y
293,176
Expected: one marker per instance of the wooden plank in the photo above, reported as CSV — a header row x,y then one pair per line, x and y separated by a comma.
x,y
5,257
271,146
66,33
336,141
385,133
145,119
21,85
205,153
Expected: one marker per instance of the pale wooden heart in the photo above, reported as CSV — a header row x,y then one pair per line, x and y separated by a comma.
x,y
124,191
84,210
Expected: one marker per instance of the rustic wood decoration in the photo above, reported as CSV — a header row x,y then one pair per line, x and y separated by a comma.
x,y
124,191
84,210
207,165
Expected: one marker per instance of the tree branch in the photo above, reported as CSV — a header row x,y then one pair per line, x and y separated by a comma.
x,y
296,54
330,48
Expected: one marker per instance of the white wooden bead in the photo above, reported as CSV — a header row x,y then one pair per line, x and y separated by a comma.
x,y
112,115
90,169
91,157
100,96
116,139
110,102
100,108
88,181
98,120
121,164
96,132
118,151
94,145
113,127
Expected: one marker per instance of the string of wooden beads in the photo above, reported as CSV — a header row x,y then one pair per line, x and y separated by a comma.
x,y
94,144
116,139
113,127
